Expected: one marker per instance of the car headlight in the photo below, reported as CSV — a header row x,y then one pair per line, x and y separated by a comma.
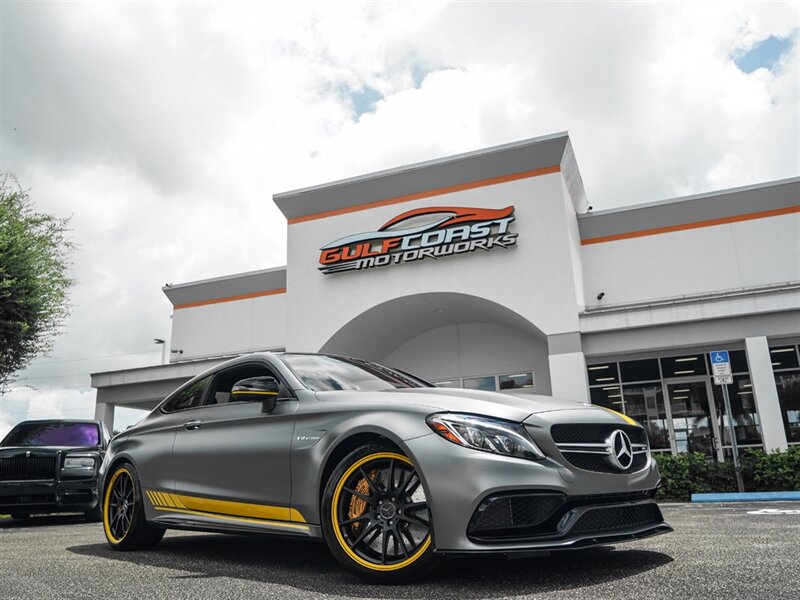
x,y
483,433
79,462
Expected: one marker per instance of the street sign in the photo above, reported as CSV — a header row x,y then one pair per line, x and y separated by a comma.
x,y
721,367
723,376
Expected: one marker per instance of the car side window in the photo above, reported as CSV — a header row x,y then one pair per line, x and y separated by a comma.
x,y
224,382
191,397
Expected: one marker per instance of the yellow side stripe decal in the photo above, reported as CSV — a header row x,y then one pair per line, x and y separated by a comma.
x,y
223,508
241,519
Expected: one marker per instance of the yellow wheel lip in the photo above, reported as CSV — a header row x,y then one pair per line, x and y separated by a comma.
x,y
336,529
107,500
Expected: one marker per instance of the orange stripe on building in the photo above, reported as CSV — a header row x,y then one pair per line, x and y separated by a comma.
x,y
427,194
696,225
230,298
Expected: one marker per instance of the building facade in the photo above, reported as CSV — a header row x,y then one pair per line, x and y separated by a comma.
x,y
488,270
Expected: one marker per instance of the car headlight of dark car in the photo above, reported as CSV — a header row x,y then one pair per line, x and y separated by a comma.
x,y
79,461
484,433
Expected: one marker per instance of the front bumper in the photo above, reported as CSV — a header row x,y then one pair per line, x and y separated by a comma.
x,y
48,496
458,481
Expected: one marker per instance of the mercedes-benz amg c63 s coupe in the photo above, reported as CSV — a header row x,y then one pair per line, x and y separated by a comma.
x,y
392,472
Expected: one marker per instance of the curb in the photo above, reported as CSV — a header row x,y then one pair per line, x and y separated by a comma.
x,y
747,497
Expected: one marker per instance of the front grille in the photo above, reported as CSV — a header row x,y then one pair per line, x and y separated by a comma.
x,y
570,433
21,468
586,445
532,515
617,517
513,512
598,463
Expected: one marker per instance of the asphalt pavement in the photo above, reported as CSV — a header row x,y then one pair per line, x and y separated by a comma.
x,y
730,551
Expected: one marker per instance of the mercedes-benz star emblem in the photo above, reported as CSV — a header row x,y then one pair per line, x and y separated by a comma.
x,y
621,455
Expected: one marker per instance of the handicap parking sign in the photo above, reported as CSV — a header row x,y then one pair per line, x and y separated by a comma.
x,y
721,367
719,356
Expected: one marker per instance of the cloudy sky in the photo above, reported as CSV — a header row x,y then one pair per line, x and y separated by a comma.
x,y
163,129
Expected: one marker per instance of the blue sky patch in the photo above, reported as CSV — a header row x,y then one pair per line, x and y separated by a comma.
x,y
765,53
418,74
364,100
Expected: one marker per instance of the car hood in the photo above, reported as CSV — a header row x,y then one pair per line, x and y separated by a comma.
x,y
44,450
503,406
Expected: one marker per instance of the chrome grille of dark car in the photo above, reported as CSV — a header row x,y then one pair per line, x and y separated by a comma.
x,y
21,468
585,445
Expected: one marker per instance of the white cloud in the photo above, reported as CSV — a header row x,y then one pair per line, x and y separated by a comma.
x,y
165,128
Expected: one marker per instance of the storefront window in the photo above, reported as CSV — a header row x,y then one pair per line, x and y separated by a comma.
x,y
738,361
674,399
603,374
645,404
480,383
743,407
784,358
516,381
691,417
609,396
640,370
788,384
683,366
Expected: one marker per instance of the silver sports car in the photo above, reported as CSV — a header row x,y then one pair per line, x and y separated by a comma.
x,y
392,472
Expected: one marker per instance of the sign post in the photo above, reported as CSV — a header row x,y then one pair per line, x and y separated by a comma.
x,y
723,376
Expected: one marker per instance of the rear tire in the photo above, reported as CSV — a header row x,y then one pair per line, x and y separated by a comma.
x,y
376,519
123,512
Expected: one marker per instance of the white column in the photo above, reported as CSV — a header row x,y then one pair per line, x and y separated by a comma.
x,y
105,412
568,379
765,393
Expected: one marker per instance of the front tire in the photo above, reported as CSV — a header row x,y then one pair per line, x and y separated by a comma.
x,y
375,516
123,512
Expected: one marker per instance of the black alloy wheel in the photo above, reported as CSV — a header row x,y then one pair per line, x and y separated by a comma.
x,y
120,505
377,519
124,520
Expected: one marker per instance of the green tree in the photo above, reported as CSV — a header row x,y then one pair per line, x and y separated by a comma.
x,y
35,253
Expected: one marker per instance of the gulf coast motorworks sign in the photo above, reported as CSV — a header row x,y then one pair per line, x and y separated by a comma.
x,y
419,234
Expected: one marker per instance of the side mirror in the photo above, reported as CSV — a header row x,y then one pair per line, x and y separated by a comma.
x,y
257,389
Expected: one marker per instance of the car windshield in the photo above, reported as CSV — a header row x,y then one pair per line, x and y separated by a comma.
x,y
326,373
53,434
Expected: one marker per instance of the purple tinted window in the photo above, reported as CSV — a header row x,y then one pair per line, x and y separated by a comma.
x,y
54,434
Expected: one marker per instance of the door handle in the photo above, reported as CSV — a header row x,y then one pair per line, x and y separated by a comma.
x,y
192,425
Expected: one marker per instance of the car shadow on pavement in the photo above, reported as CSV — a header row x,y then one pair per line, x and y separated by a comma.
x,y
310,566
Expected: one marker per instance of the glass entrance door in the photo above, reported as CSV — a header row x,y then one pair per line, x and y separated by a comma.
x,y
644,402
693,418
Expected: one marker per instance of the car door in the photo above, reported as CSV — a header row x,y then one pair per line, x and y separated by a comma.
x,y
232,459
153,443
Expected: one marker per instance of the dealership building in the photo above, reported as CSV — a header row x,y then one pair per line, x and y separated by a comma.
x,y
489,270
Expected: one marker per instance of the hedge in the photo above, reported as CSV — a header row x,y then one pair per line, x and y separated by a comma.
x,y
688,473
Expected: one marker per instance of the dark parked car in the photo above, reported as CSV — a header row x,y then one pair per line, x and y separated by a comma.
x,y
51,466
